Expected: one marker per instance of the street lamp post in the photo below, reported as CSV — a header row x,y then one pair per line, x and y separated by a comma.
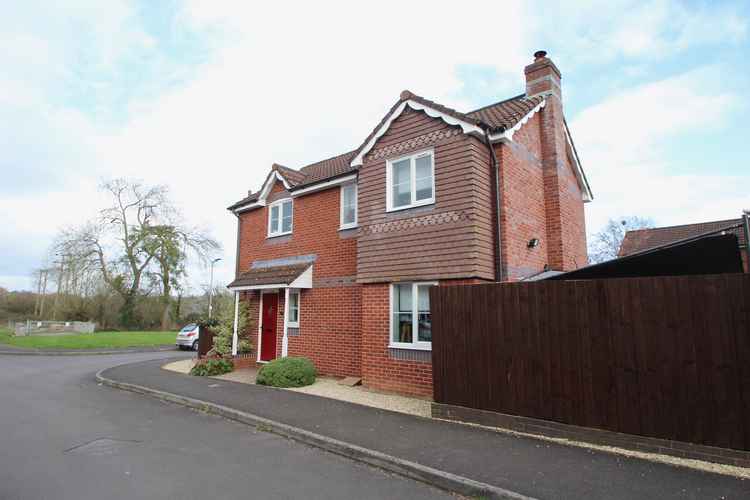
x,y
211,287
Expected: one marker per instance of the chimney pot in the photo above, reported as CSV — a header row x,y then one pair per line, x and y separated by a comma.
x,y
542,76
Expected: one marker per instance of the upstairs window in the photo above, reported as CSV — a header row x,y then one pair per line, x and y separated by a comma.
x,y
280,218
348,206
410,181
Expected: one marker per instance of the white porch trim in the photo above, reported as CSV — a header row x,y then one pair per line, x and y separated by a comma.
x,y
236,318
285,338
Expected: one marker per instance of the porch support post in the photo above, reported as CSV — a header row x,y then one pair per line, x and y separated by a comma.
x,y
236,317
285,338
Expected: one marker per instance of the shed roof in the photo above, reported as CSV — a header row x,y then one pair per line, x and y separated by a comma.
x,y
639,240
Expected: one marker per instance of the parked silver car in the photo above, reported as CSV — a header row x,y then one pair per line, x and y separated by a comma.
x,y
188,337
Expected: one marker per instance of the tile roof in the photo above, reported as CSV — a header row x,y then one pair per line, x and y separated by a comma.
x,y
644,239
506,114
327,169
293,177
275,275
250,198
496,117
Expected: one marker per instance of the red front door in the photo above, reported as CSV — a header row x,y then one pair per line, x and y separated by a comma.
x,y
268,330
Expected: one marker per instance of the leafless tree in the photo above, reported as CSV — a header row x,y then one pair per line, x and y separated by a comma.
x,y
136,242
605,244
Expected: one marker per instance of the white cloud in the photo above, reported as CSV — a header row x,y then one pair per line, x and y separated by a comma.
x,y
600,31
624,139
297,82
284,89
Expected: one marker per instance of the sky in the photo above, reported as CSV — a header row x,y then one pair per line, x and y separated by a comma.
x,y
204,96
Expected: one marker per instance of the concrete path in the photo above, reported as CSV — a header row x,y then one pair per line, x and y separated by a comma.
x,y
63,436
530,467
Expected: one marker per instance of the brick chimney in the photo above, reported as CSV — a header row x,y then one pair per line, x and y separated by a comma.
x,y
563,213
542,76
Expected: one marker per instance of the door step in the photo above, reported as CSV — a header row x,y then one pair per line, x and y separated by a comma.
x,y
350,381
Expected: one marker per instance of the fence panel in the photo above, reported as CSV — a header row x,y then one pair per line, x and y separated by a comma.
x,y
664,357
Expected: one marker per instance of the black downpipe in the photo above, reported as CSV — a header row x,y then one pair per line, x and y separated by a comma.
x,y
496,184
237,249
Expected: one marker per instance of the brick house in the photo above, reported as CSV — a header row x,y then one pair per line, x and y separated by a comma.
x,y
335,259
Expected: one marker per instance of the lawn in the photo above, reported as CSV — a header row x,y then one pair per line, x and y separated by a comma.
x,y
98,340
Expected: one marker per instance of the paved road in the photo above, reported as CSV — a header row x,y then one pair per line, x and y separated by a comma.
x,y
528,466
63,436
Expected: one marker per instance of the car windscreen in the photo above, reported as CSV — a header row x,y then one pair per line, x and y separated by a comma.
x,y
189,327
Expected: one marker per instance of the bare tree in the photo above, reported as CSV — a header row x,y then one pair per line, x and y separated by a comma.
x,y
605,244
139,240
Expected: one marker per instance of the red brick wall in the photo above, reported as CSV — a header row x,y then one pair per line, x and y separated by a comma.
x,y
523,214
566,222
314,231
330,331
379,369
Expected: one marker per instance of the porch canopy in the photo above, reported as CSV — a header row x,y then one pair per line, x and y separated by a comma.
x,y
267,276
282,276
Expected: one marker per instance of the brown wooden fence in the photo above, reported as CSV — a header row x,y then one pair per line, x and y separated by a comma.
x,y
665,357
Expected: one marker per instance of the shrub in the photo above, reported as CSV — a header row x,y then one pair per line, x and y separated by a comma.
x,y
244,346
223,328
287,372
212,367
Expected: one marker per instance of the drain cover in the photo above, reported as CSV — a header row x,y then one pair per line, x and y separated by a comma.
x,y
100,447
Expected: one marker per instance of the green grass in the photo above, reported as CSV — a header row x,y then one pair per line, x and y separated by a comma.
x,y
98,340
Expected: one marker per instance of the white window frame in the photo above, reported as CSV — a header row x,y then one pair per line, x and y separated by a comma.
x,y
413,172
280,203
415,343
294,324
348,225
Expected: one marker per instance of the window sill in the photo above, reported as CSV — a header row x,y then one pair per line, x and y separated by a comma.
x,y
409,347
278,234
292,325
415,205
348,227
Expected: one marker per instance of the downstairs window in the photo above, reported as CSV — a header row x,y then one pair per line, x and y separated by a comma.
x,y
411,322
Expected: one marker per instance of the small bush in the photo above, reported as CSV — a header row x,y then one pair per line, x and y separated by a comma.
x,y
287,372
244,346
212,367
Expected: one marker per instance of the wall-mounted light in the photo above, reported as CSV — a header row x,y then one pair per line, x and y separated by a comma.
x,y
533,243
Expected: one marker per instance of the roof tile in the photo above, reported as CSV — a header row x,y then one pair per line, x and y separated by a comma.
x,y
639,240
499,116
506,114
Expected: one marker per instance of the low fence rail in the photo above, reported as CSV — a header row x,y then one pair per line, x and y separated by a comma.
x,y
665,357
33,327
